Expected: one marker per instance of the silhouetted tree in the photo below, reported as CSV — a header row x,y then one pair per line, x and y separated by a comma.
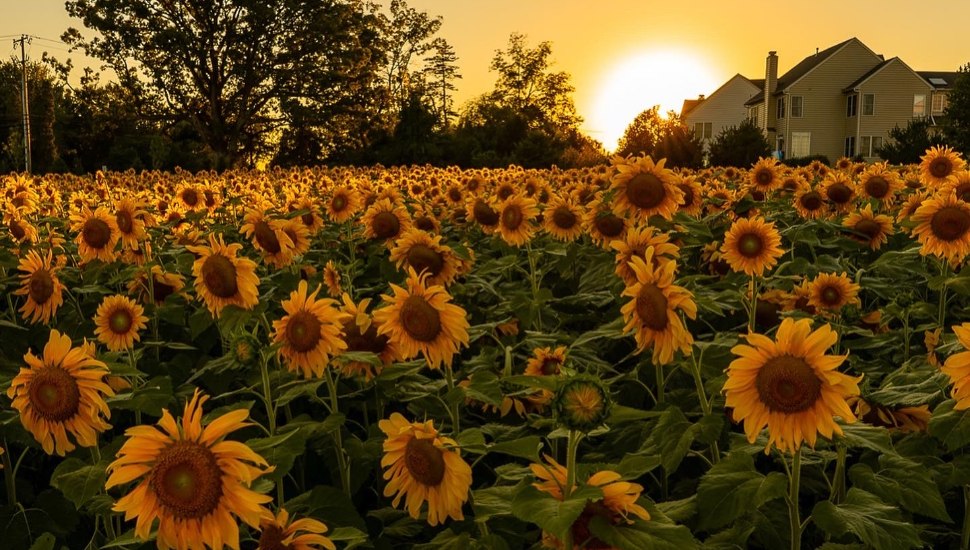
x,y
441,72
908,144
956,125
740,145
651,134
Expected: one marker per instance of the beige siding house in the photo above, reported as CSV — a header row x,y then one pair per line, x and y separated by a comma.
x,y
721,110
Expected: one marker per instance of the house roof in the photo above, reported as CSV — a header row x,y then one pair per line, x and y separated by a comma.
x,y
689,105
934,78
868,75
801,69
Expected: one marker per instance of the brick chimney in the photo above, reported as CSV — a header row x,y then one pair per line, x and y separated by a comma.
x,y
771,83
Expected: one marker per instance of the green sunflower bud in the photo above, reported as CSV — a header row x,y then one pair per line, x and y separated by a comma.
x,y
582,403
244,350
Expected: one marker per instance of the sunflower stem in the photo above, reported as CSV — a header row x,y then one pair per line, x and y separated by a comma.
x,y
753,303
838,482
965,539
353,259
535,286
268,396
452,403
338,435
572,446
659,371
9,476
705,404
793,480
944,273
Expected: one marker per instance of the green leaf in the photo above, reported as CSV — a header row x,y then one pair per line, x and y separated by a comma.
x,y
330,504
642,535
150,397
620,414
862,435
525,447
865,516
351,536
280,450
534,506
951,427
78,480
672,437
472,440
732,488
902,482
493,501
44,542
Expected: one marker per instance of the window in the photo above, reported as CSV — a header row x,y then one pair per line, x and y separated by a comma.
x,y
868,104
869,146
876,146
939,103
704,130
850,105
781,108
801,144
919,105
849,147
796,106
699,130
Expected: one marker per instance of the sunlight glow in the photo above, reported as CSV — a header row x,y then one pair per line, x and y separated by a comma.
x,y
642,80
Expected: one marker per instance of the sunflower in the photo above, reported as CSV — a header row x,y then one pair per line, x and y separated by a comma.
x,y
943,228
189,197
868,228
385,221
881,183
693,204
751,246
905,419
160,287
832,292
97,234
423,466
62,393
190,479
643,189
764,176
516,216
130,222
344,202
563,219
809,203
268,237
331,278
21,230
546,361
298,234
603,225
41,286
279,533
309,333
222,278
311,218
636,243
652,314
789,385
911,205
480,210
360,334
839,189
424,253
939,166
423,320
118,321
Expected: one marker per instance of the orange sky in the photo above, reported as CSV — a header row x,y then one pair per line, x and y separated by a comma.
x,y
692,47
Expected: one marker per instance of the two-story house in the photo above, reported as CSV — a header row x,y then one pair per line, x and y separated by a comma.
x,y
724,108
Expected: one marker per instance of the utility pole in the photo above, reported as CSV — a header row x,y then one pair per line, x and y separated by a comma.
x,y
25,99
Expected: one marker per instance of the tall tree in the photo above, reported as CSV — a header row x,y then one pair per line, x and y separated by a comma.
x,y
408,37
442,71
956,126
659,137
232,67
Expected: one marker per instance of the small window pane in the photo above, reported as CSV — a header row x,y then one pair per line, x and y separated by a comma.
x,y
796,106
708,130
876,145
919,105
850,106
868,104
864,143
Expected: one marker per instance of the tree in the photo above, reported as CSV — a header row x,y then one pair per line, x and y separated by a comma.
x,y
956,125
651,134
907,145
407,36
235,68
740,145
441,72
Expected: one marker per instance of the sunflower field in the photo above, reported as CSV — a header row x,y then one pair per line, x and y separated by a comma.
x,y
623,356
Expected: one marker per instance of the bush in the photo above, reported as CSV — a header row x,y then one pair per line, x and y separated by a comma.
x,y
797,162
740,145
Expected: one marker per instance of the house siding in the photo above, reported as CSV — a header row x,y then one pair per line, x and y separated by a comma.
x,y
894,87
725,107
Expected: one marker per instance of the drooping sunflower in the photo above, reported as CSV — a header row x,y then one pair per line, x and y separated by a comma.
x,y
161,286
190,478
904,419
939,166
423,320
764,176
331,278
222,278
869,228
425,254
118,321
643,188
881,183
97,234
279,533
693,204
268,237
636,243
943,228
751,246
789,385
653,313
310,332
360,334
129,218
423,466
344,202
563,219
41,286
385,221
832,292
481,210
516,219
957,367
62,393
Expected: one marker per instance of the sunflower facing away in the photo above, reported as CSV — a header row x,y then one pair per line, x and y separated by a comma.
x,y
422,466
643,189
310,332
957,367
943,228
789,385
423,320
424,253
751,246
190,479
279,533
41,286
222,278
118,321
62,393
653,312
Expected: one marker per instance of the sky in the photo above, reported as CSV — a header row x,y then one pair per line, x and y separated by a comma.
x,y
625,56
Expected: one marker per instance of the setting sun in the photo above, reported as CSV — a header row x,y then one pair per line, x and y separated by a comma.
x,y
638,82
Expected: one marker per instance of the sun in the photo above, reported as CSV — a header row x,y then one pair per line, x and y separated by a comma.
x,y
640,81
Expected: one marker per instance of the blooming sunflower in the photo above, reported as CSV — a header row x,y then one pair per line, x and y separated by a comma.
x,y
943,228
62,393
423,466
118,321
809,203
424,253
764,176
751,246
516,216
191,479
344,202
693,204
160,286
603,225
309,333
789,385
905,419
41,286
97,234
881,183
331,278
480,210
130,222
939,166
299,235
563,219
636,243
652,314
222,278
868,228
268,236
643,189
957,367
839,189
385,221
279,533
423,320
832,292
360,334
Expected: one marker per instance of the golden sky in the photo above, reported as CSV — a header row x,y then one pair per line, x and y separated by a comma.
x,y
627,55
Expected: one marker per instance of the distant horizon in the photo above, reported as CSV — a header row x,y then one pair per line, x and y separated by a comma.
x,y
625,59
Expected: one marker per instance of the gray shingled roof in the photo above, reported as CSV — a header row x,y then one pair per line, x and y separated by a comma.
x,y
799,70
949,76
869,73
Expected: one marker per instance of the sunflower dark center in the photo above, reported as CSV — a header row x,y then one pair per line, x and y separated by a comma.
x,y
96,233
369,340
424,223
272,539
425,258
219,275
484,214
54,394
385,225
307,219
645,191
120,321
950,223
750,245
125,223
839,193
190,197
788,384
766,313
609,225
651,307
869,228
941,167
161,290
454,194
40,286
688,194
17,229
425,462
963,191
811,201
831,296
420,319
338,203
512,217
303,331
764,176
208,198
266,237
505,191
187,480
564,218
550,366
876,187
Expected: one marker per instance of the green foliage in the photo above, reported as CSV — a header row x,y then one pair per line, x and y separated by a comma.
x,y
956,116
740,146
862,514
659,137
908,144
